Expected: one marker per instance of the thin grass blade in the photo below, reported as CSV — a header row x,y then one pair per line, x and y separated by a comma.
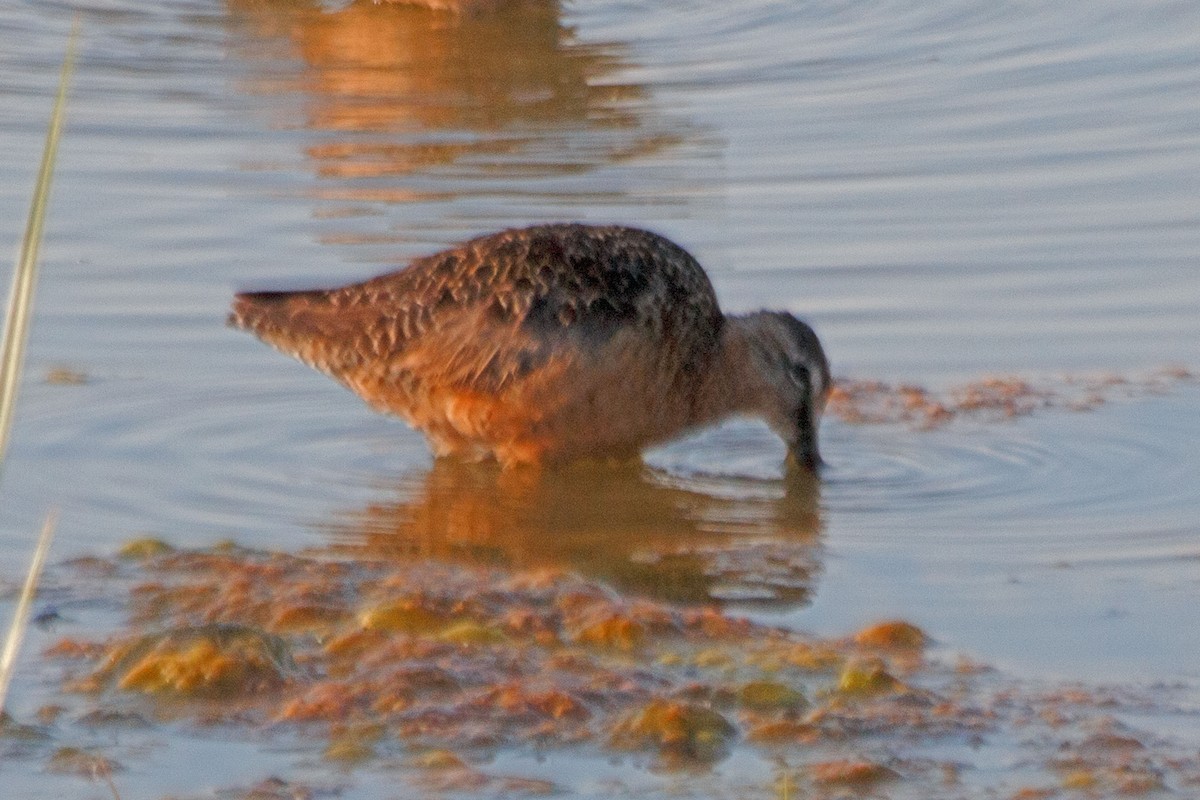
x,y
20,300
16,630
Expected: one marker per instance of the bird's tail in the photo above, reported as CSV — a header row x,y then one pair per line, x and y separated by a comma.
x,y
303,324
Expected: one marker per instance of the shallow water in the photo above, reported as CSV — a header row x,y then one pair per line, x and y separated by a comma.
x,y
944,190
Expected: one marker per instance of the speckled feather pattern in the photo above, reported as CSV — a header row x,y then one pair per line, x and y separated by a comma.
x,y
497,311
553,282
505,342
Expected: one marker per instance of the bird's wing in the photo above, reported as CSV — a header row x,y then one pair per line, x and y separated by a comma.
x,y
485,313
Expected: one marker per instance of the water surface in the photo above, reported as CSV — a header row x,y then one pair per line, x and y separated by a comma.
x,y
944,190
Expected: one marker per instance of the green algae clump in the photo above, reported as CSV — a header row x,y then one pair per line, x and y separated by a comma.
x,y
468,633
146,547
867,677
402,616
439,758
770,696
685,731
353,744
222,661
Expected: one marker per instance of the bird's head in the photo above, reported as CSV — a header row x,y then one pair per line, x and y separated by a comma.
x,y
794,380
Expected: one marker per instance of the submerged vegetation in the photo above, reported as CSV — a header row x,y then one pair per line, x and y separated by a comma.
x,y
994,398
435,674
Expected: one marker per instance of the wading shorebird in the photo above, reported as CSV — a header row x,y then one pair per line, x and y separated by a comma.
x,y
552,343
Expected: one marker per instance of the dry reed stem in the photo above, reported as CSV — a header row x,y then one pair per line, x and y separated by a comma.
x,y
12,351
20,299
16,630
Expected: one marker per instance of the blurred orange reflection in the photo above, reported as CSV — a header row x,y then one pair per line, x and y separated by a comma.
x,y
402,87
639,530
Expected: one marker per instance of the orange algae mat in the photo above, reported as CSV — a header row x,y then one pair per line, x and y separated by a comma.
x,y
998,397
433,671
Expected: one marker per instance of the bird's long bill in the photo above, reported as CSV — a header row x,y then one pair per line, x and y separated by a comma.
x,y
803,449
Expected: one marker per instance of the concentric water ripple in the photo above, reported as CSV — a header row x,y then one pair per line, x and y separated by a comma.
x,y
1059,475
1111,481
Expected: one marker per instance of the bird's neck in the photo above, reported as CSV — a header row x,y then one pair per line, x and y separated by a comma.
x,y
732,385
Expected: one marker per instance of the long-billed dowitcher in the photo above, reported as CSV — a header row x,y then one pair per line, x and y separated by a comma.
x,y
552,343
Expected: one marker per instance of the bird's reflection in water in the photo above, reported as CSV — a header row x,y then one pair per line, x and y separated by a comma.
x,y
644,532
397,89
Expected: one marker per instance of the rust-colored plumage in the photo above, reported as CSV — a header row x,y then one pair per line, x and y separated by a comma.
x,y
551,343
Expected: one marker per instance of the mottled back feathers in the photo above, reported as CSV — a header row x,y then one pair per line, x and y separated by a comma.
x,y
521,295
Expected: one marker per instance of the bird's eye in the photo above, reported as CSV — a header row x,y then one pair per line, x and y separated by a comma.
x,y
800,375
